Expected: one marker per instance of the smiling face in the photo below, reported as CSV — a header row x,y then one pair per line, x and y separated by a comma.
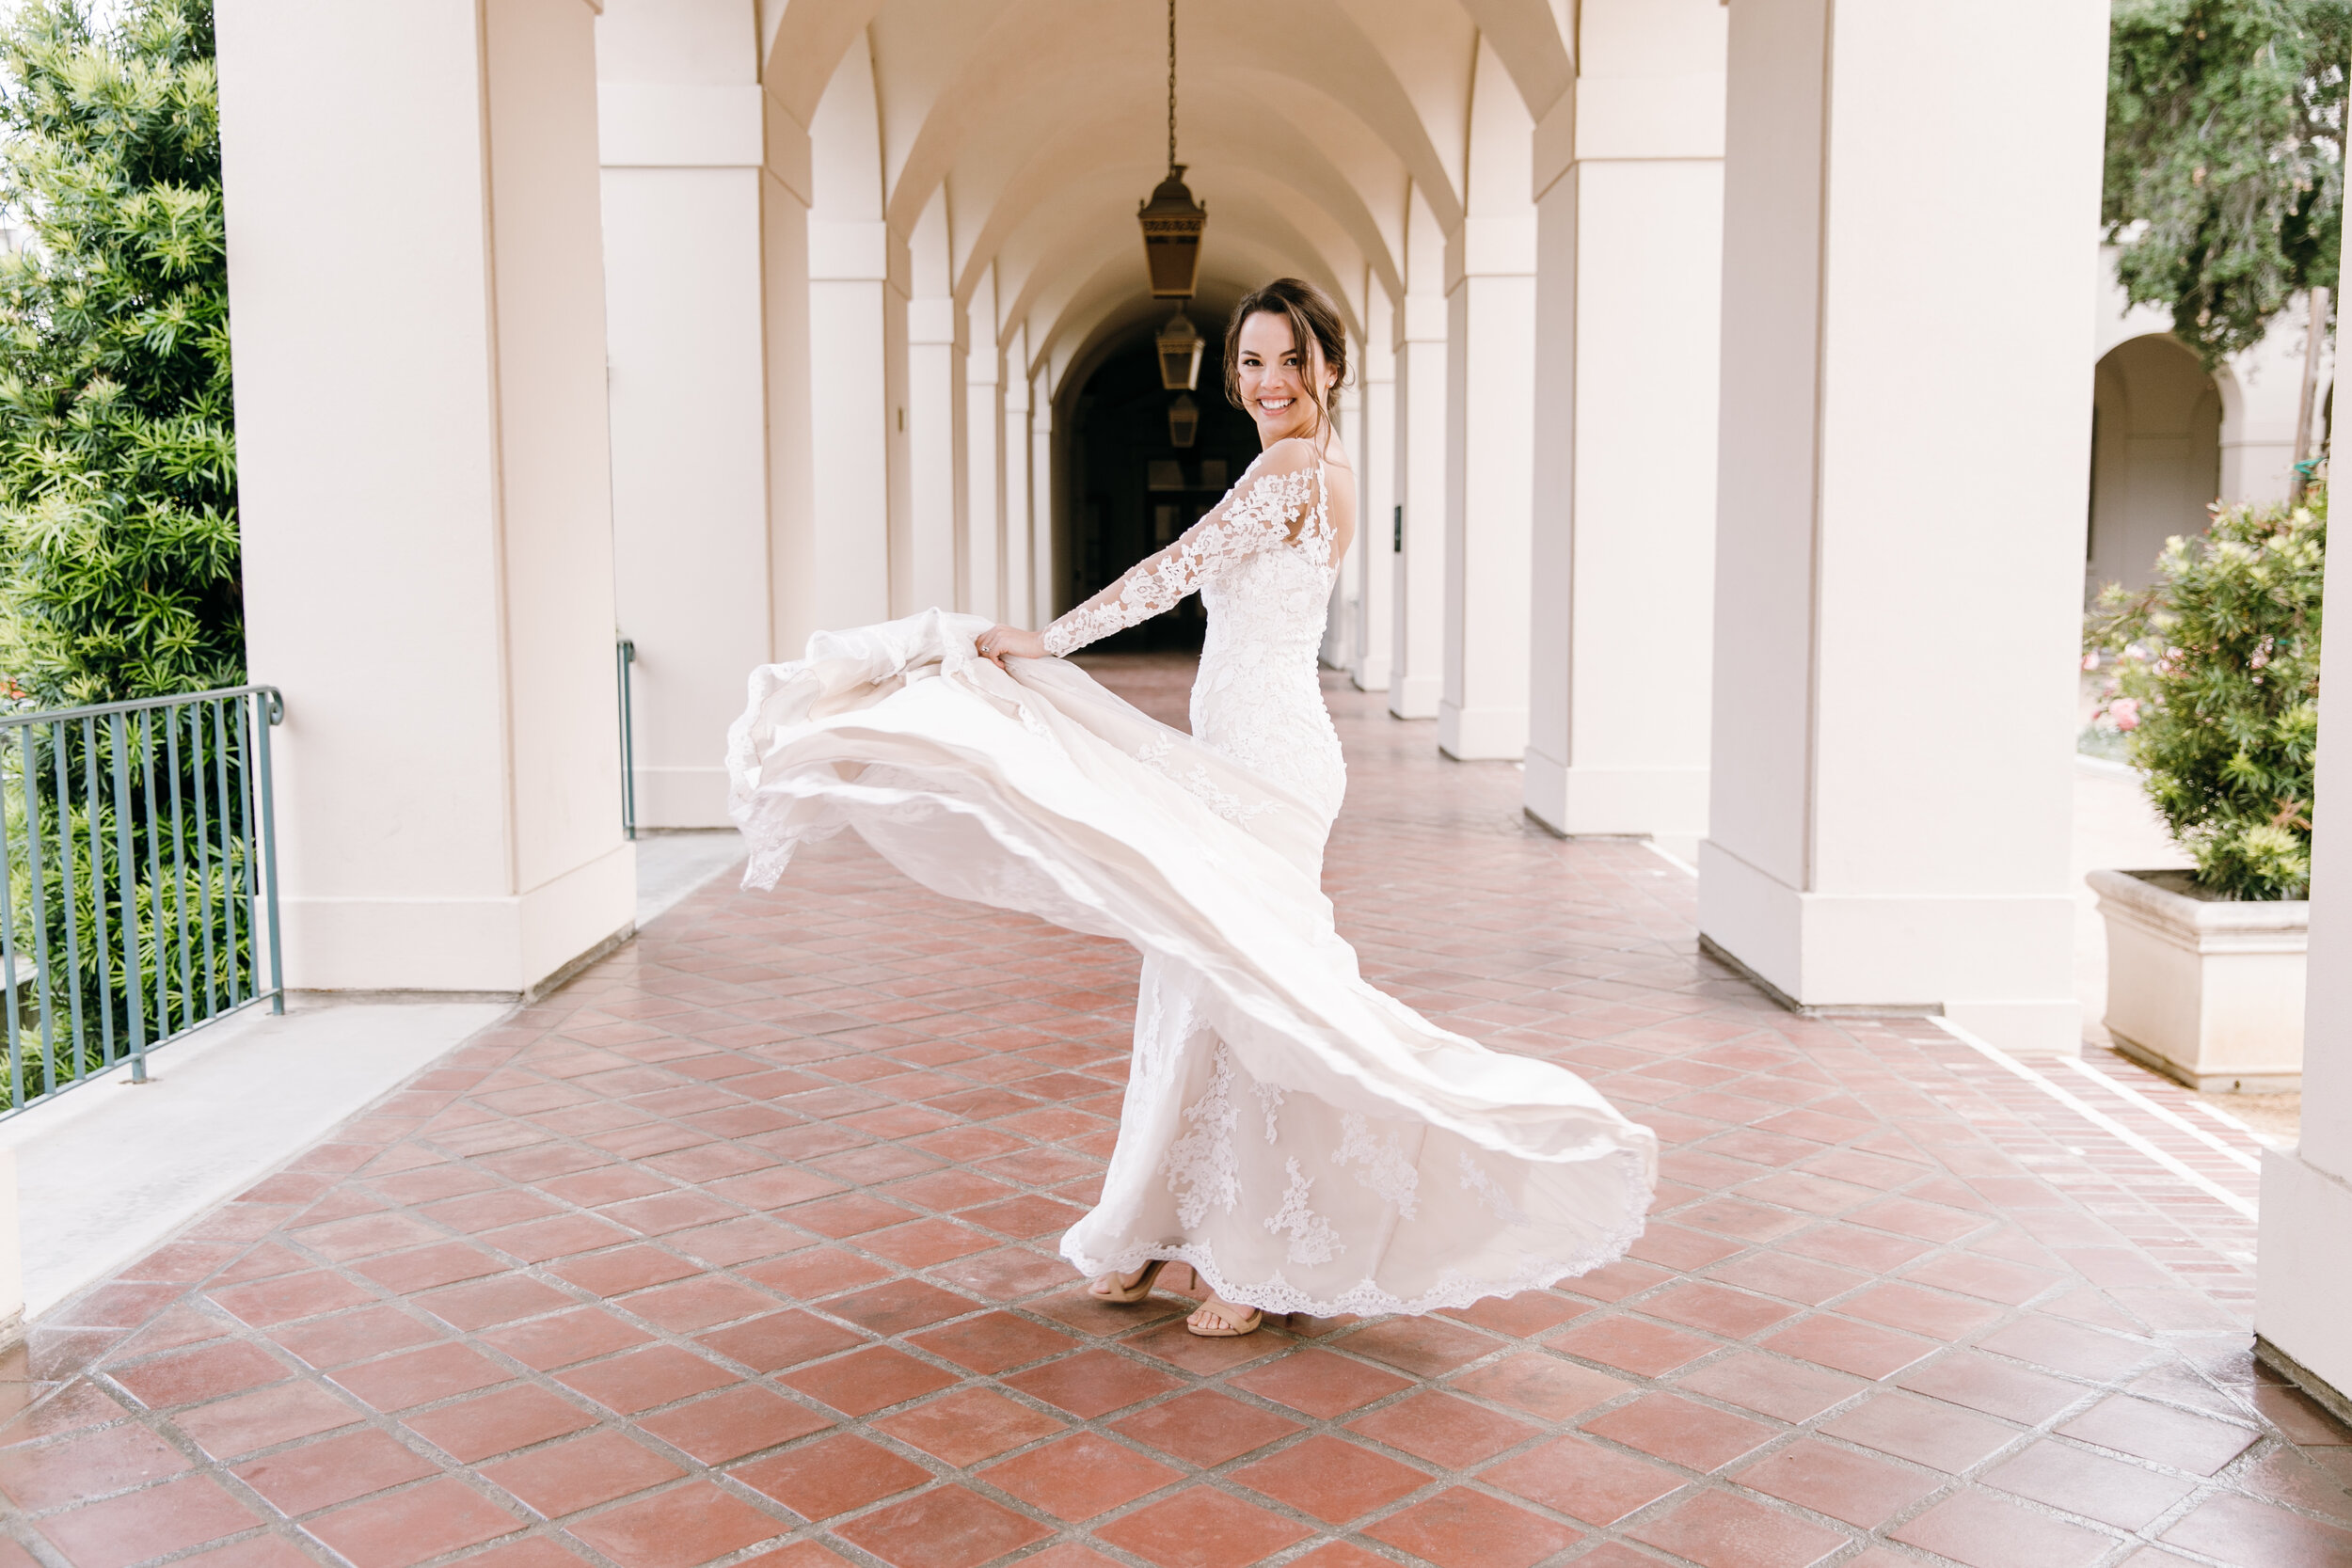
x,y
1272,378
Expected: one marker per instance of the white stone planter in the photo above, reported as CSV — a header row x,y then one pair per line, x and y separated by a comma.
x,y
2208,990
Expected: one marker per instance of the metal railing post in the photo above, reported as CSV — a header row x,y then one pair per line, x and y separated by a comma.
x,y
624,655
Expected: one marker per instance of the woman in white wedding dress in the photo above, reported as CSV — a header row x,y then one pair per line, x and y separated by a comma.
x,y
1306,1143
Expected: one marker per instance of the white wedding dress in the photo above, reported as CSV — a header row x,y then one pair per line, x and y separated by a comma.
x,y
1305,1142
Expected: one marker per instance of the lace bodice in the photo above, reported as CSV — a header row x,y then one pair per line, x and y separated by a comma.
x,y
1262,563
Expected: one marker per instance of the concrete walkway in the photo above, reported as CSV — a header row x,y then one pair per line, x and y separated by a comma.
x,y
739,1250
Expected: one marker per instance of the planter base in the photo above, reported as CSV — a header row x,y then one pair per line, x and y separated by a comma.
x,y
2283,1079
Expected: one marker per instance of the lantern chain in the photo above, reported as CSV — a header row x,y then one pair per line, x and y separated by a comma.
x,y
1171,88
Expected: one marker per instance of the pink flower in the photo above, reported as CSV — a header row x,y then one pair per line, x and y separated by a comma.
x,y
2124,711
2090,660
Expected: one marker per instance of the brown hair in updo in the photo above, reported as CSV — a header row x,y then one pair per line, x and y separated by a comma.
x,y
1311,316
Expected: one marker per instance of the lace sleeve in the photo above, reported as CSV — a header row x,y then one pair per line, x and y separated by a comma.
x,y
1259,511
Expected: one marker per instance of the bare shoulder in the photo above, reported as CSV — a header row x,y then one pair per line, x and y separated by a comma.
x,y
1290,455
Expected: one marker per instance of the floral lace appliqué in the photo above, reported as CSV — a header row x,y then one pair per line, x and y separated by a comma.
x,y
1200,1165
1475,1180
1154,753
1387,1171
1270,1102
1312,1240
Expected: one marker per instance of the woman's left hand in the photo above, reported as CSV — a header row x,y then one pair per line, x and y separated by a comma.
x,y
999,643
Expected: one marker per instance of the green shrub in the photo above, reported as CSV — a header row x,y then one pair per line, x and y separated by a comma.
x,y
119,567
2215,678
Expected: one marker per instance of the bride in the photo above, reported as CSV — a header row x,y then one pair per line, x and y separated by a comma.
x,y
1305,1142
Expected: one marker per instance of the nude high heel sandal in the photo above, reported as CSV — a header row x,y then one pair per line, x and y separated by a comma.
x,y
1124,1293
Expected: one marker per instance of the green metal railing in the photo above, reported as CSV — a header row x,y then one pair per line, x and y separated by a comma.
x,y
139,898
624,655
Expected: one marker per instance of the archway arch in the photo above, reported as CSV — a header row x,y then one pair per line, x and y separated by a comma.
x,y
2155,462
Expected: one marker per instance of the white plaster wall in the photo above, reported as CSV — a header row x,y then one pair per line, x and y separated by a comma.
x,y
1021,603
424,491
1418,645
1894,676
984,470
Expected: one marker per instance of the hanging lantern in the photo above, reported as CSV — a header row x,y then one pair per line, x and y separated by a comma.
x,y
1179,344
1183,421
1172,220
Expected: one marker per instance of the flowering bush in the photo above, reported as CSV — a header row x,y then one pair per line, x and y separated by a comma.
x,y
2216,682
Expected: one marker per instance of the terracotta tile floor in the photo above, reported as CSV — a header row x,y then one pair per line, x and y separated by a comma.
x,y
739,1248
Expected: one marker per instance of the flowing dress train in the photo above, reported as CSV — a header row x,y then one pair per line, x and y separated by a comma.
x,y
1306,1142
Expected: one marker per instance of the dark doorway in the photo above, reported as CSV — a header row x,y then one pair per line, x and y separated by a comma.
x,y
1137,490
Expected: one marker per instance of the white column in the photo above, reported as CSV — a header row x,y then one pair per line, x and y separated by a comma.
x,y
1347,598
1021,602
934,419
2304,1275
424,484
1418,643
1044,560
858,543
1491,379
685,134
1373,563
1898,576
983,445
1629,290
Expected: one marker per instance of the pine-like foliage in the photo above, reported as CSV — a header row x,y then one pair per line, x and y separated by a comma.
x,y
2225,158
118,568
2216,678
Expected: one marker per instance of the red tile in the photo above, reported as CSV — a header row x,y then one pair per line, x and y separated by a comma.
x,y
401,1528
815,1272
623,1270
231,1427
1839,1482
2248,1534
993,1342
1542,1384
1450,1433
699,1303
474,1430
1734,1314
564,1339
88,1465
1675,1429
779,1340
1582,1479
1862,1348
268,1302
1771,1385
426,1267
531,1551
817,1481
2079,1482
1717,1529
2063,1347
130,1529
420,1376
969,1425
678,1529
1422,1347
639,1379
565,1478
208,1372
254,1551
355,1336
1995,1387
1332,1480
1983,1531
1461,1529
488,1302
333,1470
1202,1527
730,1424
1905,1305
1632,1344
948,1526
1788,1277
1923,1431
2168,1436
1096,1381
899,1305
1079,1477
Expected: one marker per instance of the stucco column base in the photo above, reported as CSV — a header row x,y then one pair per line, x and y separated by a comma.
x,y
2304,1278
1414,696
1370,672
1966,958
11,1256
493,947
1616,802
1481,734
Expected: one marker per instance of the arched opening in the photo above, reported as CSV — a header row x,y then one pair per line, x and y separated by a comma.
x,y
2156,457
1132,488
